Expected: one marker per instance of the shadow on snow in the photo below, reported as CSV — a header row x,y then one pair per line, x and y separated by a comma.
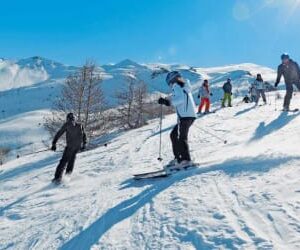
x,y
244,111
263,130
94,232
28,167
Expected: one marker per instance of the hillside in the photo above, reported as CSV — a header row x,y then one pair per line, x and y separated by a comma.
x,y
29,86
244,195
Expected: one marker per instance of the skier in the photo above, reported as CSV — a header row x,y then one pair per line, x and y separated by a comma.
x,y
260,88
227,88
184,104
204,94
76,140
290,71
253,93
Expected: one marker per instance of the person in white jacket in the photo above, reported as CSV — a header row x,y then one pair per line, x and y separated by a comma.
x,y
260,87
204,94
184,104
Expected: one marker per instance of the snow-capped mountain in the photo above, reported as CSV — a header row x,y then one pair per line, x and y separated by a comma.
x,y
29,86
30,71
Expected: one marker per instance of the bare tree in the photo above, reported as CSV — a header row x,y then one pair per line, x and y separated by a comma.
x,y
132,100
83,96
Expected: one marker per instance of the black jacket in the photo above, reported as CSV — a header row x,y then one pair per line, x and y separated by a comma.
x,y
290,73
227,87
75,135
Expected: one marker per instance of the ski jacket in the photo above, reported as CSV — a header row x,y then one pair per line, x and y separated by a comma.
x,y
260,85
204,92
253,90
227,87
183,101
75,135
289,71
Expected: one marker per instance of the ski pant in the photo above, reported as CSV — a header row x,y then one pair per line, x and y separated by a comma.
x,y
179,138
68,159
261,92
253,98
205,102
227,97
289,94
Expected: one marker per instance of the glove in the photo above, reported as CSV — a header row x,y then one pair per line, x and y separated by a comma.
x,y
211,94
163,101
231,93
53,148
198,96
83,147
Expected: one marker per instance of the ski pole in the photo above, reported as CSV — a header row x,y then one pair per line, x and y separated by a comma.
x,y
213,135
269,100
160,132
40,151
275,96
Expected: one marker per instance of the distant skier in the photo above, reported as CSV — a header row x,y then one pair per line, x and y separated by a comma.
x,y
76,140
184,104
227,88
291,74
260,88
204,94
253,93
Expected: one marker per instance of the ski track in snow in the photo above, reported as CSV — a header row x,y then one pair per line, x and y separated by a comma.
x,y
245,195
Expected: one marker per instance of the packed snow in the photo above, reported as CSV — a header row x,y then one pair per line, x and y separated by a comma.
x,y
244,195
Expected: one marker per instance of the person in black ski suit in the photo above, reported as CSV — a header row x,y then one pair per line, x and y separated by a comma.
x,y
76,140
291,74
184,104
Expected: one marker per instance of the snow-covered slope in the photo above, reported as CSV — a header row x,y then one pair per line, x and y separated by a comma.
x,y
244,195
29,86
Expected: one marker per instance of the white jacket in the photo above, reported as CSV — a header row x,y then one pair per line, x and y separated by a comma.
x,y
259,85
183,101
203,92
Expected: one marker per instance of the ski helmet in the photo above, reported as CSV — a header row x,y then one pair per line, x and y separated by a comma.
x,y
285,56
229,79
171,77
70,117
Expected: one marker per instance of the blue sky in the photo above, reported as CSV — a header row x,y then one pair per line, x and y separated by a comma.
x,y
194,32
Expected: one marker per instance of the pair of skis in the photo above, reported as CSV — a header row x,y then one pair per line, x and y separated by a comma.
x,y
291,110
205,113
163,172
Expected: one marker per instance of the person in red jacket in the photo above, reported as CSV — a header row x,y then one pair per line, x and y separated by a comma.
x,y
204,94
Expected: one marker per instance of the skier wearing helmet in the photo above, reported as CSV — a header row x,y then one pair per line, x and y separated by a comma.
x,y
290,71
184,104
76,140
